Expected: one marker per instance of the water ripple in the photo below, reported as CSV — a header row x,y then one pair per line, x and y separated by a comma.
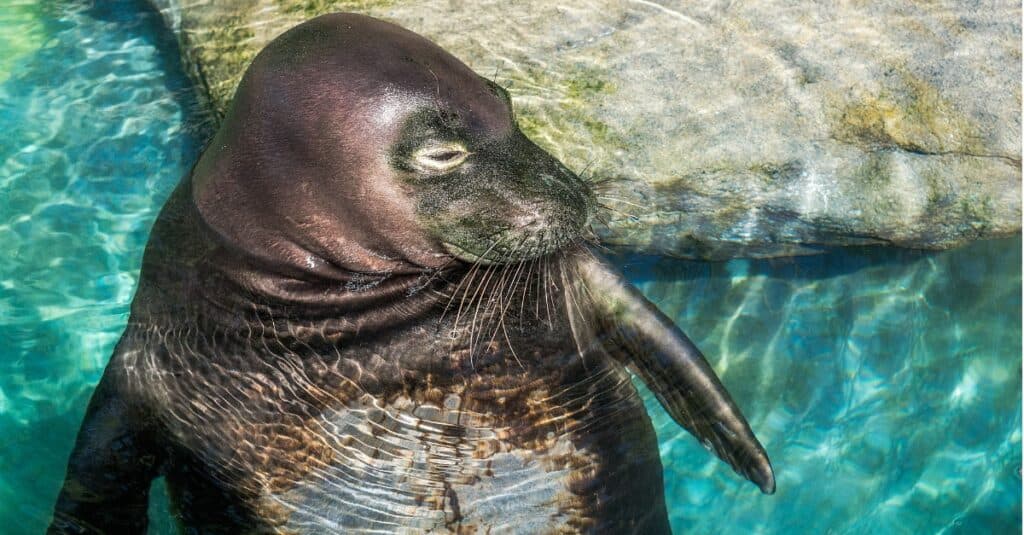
x,y
885,384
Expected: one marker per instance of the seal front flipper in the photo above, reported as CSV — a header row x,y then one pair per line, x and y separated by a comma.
x,y
106,489
632,329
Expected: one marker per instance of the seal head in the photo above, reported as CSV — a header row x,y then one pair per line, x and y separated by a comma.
x,y
397,157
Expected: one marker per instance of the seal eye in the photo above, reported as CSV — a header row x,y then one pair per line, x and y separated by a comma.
x,y
440,158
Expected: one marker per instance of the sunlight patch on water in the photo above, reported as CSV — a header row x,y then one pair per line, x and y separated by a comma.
x,y
93,141
22,33
885,385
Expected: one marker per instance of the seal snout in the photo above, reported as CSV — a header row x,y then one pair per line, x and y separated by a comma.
x,y
509,201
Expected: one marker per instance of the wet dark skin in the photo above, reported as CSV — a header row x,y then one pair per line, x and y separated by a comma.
x,y
371,306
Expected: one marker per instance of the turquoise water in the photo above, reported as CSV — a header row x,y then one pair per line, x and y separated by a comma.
x,y
885,384
91,143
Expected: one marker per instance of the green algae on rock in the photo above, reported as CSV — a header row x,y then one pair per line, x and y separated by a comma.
x,y
761,129
911,115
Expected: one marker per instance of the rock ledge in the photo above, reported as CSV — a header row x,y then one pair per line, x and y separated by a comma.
x,y
730,129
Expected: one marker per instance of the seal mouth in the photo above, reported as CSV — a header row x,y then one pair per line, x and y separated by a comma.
x,y
514,247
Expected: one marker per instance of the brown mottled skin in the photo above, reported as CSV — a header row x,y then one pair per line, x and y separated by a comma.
x,y
369,308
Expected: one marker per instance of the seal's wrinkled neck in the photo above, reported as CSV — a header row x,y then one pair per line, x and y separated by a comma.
x,y
191,270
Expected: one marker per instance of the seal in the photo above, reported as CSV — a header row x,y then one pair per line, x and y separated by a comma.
x,y
373,306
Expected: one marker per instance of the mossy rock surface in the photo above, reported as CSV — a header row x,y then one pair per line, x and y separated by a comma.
x,y
729,128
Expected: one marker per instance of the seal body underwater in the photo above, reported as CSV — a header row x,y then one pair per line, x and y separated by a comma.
x,y
371,307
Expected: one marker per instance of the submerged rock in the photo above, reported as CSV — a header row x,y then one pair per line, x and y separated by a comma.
x,y
725,129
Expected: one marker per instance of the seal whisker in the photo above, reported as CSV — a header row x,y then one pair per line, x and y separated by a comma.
x,y
473,339
576,303
462,302
539,280
496,303
617,199
515,285
480,290
547,290
583,173
551,286
503,308
510,348
617,211
463,281
488,301
526,290
503,301
604,181
473,270
600,217
438,271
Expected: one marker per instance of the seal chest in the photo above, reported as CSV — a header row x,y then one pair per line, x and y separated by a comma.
x,y
396,471
470,447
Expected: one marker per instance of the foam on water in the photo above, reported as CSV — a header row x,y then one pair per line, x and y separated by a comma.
x,y
885,384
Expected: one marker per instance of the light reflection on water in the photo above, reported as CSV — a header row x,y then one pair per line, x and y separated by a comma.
x,y
885,384
91,143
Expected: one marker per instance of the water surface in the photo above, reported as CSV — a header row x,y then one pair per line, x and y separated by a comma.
x,y
885,384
